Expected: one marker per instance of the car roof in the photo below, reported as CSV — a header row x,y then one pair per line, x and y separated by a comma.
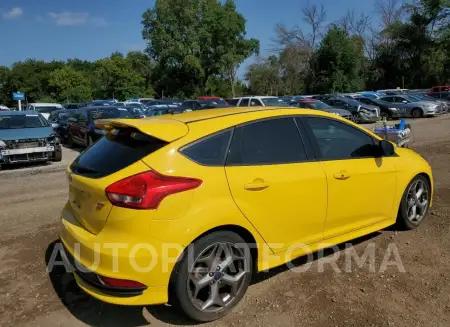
x,y
216,113
306,100
18,113
44,104
101,107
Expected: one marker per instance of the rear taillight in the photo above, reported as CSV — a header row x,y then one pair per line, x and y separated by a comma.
x,y
122,283
146,190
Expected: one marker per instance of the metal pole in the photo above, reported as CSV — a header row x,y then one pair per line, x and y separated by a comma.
x,y
20,105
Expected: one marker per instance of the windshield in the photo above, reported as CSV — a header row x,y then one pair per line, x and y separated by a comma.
x,y
46,110
412,98
272,101
63,117
320,105
108,113
21,121
135,105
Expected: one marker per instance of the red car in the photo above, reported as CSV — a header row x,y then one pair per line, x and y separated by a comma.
x,y
208,97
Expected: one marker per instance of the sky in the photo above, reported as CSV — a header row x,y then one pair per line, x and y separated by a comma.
x,y
93,29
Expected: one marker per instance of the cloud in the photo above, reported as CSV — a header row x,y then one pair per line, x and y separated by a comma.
x,y
67,18
13,13
98,21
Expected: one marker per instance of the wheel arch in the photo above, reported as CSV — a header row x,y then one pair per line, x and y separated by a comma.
x,y
239,230
430,184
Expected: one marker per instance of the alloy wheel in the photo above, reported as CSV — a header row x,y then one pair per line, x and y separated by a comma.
x,y
354,118
217,277
417,201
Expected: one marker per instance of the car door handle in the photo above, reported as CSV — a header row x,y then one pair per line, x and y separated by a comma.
x,y
256,185
342,175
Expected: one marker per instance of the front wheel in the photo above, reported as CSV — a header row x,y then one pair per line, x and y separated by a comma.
x,y
213,276
57,154
355,118
415,203
417,113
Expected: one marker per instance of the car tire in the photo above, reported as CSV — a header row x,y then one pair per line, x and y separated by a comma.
x,y
69,140
355,118
57,154
417,113
201,262
413,208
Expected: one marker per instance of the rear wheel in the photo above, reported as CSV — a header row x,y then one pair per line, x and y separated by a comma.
x,y
57,154
417,113
69,140
355,118
415,203
212,276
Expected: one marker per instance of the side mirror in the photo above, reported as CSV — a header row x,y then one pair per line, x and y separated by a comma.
x,y
72,119
404,101
386,148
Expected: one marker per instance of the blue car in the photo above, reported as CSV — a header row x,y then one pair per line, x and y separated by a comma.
x,y
26,136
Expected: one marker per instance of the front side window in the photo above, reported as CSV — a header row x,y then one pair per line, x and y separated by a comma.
x,y
336,140
255,103
272,101
274,141
209,151
244,102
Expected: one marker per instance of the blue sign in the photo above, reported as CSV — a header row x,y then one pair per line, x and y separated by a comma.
x,y
18,96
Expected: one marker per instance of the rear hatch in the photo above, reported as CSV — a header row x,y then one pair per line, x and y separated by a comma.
x,y
115,156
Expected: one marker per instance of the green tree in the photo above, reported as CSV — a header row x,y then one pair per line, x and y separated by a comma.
x,y
5,93
70,85
141,64
193,40
116,79
264,78
338,64
32,77
418,48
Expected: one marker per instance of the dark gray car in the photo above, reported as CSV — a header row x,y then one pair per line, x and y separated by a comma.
x,y
361,112
319,105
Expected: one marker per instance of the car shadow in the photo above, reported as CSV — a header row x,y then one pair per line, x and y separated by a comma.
x,y
304,260
96,313
84,307
76,148
19,166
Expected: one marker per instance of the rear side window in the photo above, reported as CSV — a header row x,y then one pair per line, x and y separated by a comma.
x,y
115,152
274,141
244,103
209,151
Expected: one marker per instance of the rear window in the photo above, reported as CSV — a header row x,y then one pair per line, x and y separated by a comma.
x,y
108,113
209,151
115,152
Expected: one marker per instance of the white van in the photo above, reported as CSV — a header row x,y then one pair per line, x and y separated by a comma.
x,y
45,109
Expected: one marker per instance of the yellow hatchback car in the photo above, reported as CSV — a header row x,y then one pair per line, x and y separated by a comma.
x,y
183,208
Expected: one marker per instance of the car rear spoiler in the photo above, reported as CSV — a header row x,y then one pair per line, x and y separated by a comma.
x,y
164,129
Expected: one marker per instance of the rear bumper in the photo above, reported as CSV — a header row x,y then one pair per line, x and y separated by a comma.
x,y
133,258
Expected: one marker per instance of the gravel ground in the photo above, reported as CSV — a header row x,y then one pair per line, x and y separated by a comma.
x,y
32,197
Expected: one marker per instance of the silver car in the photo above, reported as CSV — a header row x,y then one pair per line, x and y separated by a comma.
x,y
414,106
